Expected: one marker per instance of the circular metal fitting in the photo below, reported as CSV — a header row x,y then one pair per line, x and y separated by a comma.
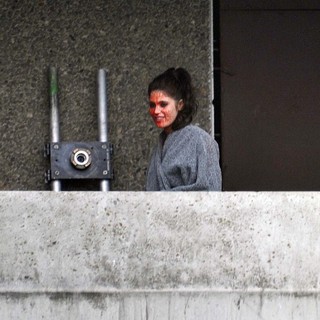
x,y
81,158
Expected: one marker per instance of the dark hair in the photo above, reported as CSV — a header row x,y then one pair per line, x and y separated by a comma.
x,y
177,83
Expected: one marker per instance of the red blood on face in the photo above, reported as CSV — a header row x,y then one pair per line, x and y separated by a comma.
x,y
163,109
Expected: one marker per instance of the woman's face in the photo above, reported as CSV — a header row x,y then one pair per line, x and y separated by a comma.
x,y
163,109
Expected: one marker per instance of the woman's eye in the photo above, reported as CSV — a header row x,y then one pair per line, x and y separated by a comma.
x,y
163,104
152,105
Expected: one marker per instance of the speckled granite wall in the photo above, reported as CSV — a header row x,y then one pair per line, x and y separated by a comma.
x,y
135,40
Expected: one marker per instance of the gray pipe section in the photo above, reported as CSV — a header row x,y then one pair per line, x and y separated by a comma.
x,y
54,117
103,116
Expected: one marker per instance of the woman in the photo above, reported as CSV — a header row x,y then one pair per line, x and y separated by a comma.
x,y
186,158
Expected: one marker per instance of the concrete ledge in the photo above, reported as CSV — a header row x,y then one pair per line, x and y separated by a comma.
x,y
215,248
159,305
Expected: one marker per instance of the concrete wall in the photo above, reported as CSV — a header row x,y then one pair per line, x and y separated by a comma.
x,y
134,255
135,40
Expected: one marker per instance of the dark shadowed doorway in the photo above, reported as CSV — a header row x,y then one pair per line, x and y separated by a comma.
x,y
270,95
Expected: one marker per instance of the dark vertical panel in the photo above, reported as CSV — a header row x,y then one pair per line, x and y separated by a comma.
x,y
216,72
270,100
270,4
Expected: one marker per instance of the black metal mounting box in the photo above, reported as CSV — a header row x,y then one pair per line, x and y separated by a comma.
x,y
79,160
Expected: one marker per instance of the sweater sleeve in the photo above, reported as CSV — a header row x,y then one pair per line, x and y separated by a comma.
x,y
208,172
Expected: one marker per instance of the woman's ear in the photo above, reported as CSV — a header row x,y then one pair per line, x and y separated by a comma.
x,y
180,105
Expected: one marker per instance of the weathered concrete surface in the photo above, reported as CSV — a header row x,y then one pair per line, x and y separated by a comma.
x,y
160,306
122,255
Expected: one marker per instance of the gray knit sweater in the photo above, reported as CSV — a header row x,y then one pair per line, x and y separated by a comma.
x,y
185,160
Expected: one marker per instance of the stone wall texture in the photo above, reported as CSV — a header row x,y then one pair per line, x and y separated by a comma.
x,y
135,40
182,256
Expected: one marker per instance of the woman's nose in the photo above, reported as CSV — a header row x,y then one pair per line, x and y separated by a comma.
x,y
157,109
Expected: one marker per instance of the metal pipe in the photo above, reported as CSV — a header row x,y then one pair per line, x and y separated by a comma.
x,y
103,116
54,117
